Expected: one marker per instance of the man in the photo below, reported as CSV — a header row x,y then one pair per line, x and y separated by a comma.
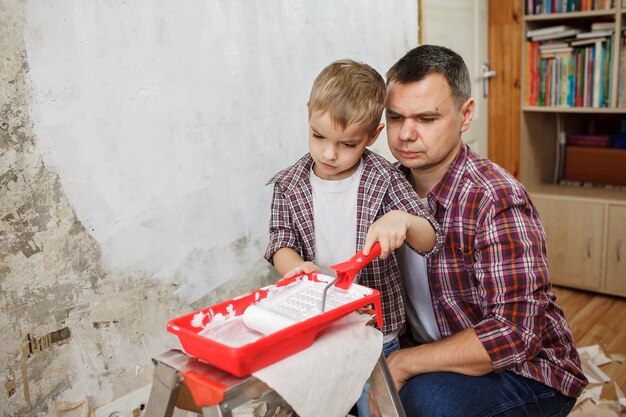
x,y
489,338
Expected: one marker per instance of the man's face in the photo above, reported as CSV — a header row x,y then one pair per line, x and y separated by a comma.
x,y
424,123
336,152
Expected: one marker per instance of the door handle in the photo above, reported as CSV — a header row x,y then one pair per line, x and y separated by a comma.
x,y
487,73
589,238
619,249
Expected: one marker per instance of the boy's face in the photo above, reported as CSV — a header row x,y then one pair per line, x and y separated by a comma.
x,y
336,153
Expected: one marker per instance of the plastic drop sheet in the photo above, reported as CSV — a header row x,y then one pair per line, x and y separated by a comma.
x,y
327,378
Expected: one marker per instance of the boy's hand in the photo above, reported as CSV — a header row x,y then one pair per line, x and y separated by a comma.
x,y
390,230
305,268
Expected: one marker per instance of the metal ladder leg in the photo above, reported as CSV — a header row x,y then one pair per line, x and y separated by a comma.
x,y
164,391
385,390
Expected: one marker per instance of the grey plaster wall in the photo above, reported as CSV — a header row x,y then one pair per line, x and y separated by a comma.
x,y
70,332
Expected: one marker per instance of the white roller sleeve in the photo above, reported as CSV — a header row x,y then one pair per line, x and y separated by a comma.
x,y
265,321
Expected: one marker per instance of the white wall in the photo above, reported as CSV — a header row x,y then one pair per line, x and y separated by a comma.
x,y
164,119
135,141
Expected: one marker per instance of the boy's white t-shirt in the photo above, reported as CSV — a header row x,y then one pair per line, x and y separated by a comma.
x,y
334,214
419,310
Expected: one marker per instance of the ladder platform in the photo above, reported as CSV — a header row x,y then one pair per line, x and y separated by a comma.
x,y
181,381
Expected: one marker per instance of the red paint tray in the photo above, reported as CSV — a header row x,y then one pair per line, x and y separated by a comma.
x,y
244,359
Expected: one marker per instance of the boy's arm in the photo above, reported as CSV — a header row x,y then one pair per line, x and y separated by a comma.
x,y
396,227
288,263
281,249
405,218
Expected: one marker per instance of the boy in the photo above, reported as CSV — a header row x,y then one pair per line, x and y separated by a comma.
x,y
326,204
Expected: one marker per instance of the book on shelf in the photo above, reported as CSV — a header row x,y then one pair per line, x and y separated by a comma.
x,y
580,139
547,30
598,73
554,48
556,35
553,44
570,76
598,26
587,41
594,34
534,7
556,52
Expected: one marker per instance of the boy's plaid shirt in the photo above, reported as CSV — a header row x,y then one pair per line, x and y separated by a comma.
x,y
382,188
492,274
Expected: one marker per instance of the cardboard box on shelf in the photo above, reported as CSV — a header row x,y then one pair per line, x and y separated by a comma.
x,y
595,165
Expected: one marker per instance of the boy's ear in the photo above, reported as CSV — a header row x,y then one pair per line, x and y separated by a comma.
x,y
379,129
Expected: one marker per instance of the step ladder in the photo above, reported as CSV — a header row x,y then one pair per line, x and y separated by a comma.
x,y
181,381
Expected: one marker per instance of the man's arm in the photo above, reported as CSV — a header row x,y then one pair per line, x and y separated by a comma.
x,y
462,353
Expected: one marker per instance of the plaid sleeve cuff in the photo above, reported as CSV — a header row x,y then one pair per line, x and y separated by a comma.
x,y
505,348
439,238
278,240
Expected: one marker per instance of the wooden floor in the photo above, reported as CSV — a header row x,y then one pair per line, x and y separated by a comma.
x,y
598,319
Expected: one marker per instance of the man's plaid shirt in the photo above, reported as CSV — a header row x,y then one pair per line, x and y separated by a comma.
x,y
492,274
382,188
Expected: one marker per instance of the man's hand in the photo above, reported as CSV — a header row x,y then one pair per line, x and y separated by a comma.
x,y
305,268
373,405
390,230
399,365
395,362
462,353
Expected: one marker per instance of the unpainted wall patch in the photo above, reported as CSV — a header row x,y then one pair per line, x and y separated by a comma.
x,y
76,228
14,133
104,324
47,341
21,239
10,386
25,380
7,178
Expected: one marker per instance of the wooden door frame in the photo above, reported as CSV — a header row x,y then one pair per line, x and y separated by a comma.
x,y
505,55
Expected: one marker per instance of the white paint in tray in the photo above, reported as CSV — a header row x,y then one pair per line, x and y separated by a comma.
x,y
283,306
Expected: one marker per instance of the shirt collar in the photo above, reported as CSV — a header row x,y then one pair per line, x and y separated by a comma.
x,y
444,191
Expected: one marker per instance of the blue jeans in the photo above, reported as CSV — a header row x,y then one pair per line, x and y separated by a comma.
x,y
363,401
503,394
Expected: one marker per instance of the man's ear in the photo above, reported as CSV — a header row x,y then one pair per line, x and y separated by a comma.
x,y
467,112
379,129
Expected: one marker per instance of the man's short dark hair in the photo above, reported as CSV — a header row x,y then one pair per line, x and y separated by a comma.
x,y
427,59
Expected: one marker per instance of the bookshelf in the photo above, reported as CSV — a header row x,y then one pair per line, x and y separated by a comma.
x,y
573,86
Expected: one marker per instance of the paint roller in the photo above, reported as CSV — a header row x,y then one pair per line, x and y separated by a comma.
x,y
262,320
265,321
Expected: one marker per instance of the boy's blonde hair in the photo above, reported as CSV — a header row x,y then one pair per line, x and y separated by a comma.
x,y
351,92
